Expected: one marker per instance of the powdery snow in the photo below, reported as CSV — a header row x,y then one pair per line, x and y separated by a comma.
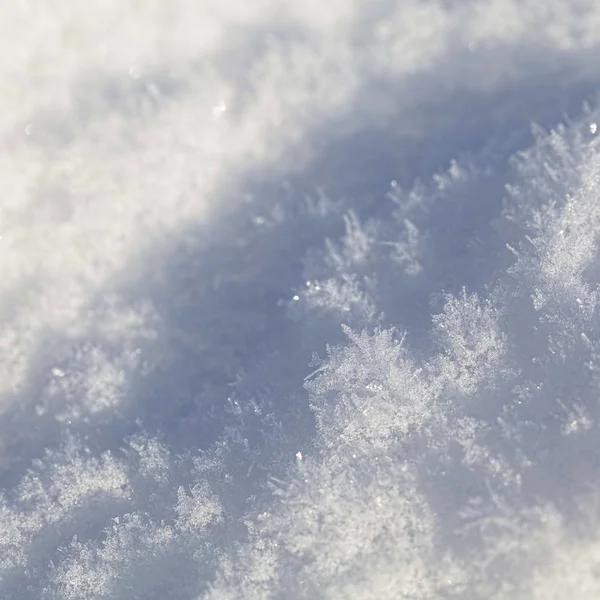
x,y
299,300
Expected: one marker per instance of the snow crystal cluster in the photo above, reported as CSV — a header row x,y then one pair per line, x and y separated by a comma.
x,y
300,300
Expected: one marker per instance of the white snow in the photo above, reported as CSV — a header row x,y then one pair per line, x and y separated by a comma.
x,y
299,299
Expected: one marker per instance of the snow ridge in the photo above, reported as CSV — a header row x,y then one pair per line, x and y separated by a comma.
x,y
296,302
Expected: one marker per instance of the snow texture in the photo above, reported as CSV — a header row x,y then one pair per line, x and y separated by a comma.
x,y
300,299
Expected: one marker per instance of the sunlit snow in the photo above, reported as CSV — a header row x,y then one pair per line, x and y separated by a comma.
x,y
299,299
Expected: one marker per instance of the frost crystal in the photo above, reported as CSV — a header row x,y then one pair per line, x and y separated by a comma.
x,y
197,197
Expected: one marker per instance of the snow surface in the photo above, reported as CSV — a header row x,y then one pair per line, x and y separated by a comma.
x,y
299,299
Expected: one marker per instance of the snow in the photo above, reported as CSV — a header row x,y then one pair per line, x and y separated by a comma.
x,y
299,299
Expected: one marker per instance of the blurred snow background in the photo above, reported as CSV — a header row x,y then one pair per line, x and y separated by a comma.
x,y
299,299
